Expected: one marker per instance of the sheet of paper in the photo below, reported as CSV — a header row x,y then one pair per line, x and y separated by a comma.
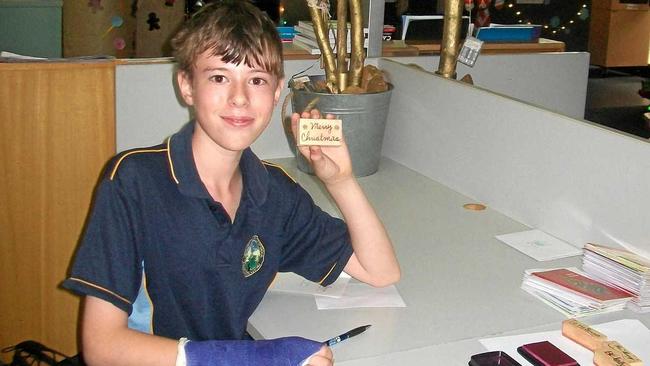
x,y
360,295
631,333
17,56
539,245
293,283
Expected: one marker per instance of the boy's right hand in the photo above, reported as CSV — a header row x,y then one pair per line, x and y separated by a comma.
x,y
323,357
331,164
288,351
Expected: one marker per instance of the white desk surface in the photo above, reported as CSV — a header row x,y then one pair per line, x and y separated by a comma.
x,y
460,284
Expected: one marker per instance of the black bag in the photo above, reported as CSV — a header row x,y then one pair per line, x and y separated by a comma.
x,y
32,353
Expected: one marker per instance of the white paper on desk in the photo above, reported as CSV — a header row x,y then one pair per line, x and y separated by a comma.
x,y
539,245
631,333
360,295
293,283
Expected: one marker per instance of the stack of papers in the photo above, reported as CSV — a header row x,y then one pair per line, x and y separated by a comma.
x,y
573,292
292,283
341,294
621,269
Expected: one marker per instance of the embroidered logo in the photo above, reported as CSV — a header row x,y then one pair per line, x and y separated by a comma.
x,y
253,257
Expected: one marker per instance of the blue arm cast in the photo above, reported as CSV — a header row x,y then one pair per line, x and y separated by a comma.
x,y
288,351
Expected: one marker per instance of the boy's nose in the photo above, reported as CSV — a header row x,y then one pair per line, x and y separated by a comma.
x,y
238,96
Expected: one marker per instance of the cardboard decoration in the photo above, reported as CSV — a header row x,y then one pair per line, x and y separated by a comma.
x,y
156,23
85,26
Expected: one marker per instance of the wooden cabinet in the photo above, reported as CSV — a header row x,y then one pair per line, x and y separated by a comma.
x,y
57,123
619,33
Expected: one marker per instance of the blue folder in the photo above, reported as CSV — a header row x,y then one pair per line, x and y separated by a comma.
x,y
505,34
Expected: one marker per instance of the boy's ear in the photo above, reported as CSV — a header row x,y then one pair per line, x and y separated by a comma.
x,y
185,87
278,90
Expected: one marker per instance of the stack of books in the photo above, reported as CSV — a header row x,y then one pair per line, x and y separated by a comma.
x,y
286,33
388,32
621,269
306,37
573,292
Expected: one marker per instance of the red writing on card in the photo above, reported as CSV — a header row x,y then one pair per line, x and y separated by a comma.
x,y
583,285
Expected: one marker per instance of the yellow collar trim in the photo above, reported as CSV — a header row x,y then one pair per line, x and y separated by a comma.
x,y
117,165
279,167
169,158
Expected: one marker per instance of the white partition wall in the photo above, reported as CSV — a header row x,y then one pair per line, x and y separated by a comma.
x,y
573,179
147,105
148,109
555,81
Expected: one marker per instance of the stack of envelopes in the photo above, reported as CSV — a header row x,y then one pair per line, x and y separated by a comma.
x,y
573,292
621,269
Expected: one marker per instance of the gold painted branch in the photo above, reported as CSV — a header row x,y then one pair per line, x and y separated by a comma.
x,y
321,29
453,22
341,76
357,52
342,43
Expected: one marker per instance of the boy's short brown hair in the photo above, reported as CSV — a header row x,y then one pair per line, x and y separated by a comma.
x,y
235,30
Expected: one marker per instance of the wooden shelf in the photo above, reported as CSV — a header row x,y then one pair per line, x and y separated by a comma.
x,y
543,45
419,48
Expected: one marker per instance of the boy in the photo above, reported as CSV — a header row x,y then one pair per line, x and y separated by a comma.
x,y
184,238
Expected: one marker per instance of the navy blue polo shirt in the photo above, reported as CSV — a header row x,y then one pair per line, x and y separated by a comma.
x,y
160,248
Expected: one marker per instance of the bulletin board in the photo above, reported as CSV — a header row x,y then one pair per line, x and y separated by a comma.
x,y
98,27
120,28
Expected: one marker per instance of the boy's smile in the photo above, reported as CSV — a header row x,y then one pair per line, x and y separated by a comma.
x,y
233,103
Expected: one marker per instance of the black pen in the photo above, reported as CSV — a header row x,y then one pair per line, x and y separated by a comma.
x,y
346,335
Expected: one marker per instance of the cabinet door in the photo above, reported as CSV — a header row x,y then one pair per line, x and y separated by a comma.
x,y
57,126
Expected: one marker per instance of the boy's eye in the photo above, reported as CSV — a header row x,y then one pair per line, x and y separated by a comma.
x,y
218,78
258,81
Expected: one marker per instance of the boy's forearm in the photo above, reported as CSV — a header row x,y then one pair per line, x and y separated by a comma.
x,y
107,340
130,347
372,246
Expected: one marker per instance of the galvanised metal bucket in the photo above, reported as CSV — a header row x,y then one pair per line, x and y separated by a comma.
x,y
364,121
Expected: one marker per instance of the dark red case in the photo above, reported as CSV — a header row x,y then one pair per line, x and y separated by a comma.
x,y
545,354
493,358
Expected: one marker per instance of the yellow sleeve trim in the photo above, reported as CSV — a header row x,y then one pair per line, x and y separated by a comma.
x,y
327,275
279,167
101,289
117,165
146,291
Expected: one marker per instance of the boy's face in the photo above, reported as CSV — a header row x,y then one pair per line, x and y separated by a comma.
x,y
233,103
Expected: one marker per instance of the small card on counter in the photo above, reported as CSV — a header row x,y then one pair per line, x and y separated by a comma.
x,y
539,245
320,132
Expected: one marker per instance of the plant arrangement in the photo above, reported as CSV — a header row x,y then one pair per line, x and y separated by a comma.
x,y
343,75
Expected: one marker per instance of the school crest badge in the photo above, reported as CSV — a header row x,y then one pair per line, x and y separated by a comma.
x,y
253,257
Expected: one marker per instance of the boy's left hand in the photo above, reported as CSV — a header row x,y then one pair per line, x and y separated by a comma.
x,y
331,164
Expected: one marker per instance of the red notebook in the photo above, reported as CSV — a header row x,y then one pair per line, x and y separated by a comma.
x,y
583,285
